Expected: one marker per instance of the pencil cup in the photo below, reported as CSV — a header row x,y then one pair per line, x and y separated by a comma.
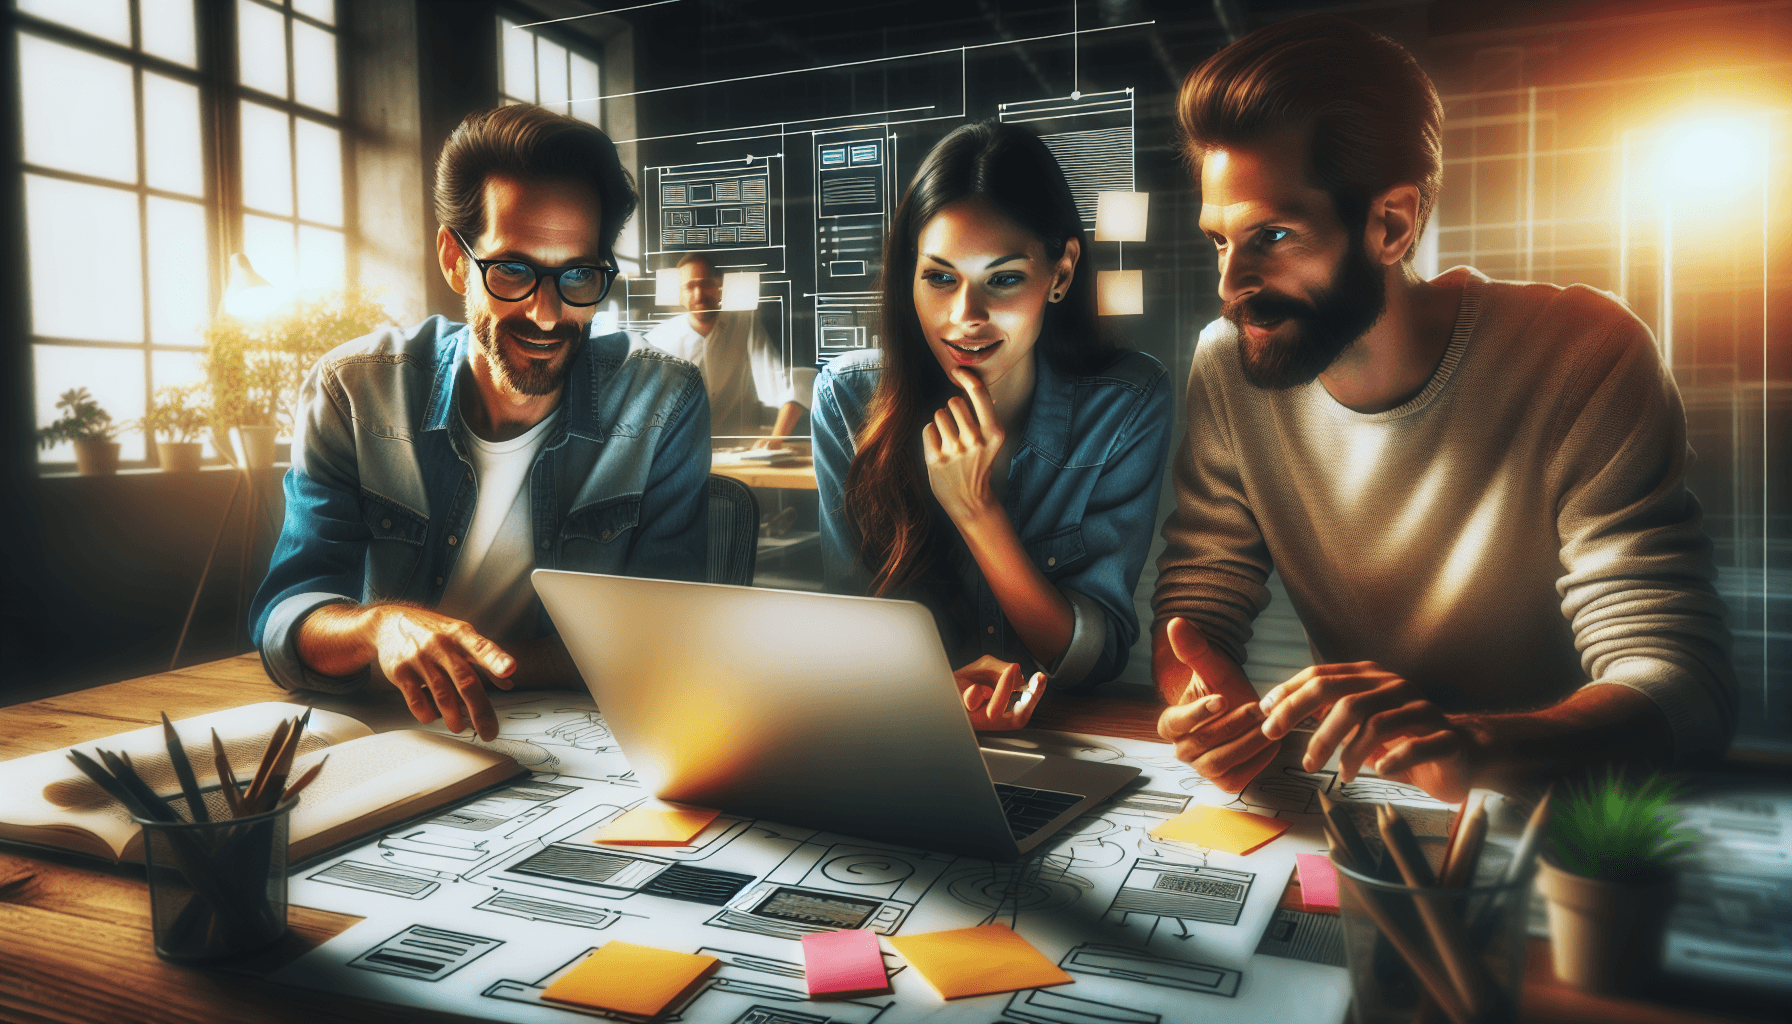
x,y
1433,956
217,890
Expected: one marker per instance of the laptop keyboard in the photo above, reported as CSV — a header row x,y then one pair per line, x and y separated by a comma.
x,y
1029,810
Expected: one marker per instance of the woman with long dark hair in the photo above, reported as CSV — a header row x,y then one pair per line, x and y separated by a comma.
x,y
996,458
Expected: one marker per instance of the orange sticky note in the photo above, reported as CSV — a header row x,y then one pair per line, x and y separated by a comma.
x,y
1219,828
627,978
657,824
978,961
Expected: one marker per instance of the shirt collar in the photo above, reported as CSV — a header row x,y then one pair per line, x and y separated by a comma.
x,y
579,403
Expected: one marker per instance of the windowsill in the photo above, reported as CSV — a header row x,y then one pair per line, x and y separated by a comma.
x,y
68,473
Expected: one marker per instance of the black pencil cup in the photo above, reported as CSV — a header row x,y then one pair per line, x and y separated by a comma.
x,y
217,890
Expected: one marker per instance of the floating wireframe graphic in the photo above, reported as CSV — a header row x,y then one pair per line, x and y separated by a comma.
x,y
715,205
1092,137
426,954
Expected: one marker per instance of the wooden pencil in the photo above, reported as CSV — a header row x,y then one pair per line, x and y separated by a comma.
x,y
1473,983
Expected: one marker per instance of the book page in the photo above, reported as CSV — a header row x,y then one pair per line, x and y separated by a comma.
x,y
367,776
46,789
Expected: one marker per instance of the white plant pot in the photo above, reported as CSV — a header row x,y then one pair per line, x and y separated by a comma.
x,y
96,458
254,446
178,456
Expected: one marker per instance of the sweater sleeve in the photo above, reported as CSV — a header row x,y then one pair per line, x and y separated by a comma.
x,y
1637,582
1213,568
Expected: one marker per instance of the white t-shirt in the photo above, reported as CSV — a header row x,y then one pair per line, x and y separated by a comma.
x,y
743,370
490,587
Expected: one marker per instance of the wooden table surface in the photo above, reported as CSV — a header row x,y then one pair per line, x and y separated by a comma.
x,y
796,476
75,940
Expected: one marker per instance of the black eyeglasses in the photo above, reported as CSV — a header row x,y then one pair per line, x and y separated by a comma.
x,y
580,284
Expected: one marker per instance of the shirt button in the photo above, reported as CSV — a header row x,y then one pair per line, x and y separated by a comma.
x,y
1051,561
438,581
992,629
452,540
607,533
385,524
544,545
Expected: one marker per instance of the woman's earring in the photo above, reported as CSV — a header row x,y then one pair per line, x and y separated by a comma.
x,y
1054,296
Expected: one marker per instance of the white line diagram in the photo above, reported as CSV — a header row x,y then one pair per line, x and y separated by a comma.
x,y
1091,134
855,194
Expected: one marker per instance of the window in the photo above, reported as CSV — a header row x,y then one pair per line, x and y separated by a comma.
x,y
127,221
536,69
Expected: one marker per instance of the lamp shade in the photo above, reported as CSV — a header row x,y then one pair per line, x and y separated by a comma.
x,y
740,290
1120,216
247,295
1120,292
665,287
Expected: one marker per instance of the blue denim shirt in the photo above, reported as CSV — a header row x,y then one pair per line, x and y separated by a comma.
x,y
1082,494
381,488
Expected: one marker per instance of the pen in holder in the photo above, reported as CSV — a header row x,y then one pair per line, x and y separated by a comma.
x,y
217,889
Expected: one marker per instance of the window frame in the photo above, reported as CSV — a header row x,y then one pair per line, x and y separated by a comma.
x,y
572,43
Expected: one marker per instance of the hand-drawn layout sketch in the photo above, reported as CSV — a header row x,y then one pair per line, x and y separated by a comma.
x,y
479,908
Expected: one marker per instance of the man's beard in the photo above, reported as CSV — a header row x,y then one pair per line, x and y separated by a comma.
x,y
519,373
1320,327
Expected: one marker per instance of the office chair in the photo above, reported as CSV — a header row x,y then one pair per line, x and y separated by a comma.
x,y
733,531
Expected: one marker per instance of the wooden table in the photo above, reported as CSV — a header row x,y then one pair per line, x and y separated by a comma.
x,y
75,937
795,476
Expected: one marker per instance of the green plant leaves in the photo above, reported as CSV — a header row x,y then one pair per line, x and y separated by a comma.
x,y
1620,831
82,420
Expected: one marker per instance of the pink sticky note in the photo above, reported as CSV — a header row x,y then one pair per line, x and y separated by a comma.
x,y
1318,883
844,961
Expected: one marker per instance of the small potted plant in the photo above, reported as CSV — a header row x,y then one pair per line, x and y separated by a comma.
x,y
178,412
89,428
1608,877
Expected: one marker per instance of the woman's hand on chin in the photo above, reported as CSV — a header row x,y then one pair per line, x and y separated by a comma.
x,y
961,446
989,685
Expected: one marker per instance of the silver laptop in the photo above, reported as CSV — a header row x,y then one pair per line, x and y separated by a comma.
x,y
809,709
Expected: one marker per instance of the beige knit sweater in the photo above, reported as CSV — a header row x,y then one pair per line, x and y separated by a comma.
x,y
1517,530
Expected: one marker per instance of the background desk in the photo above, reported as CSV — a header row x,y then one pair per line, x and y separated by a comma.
x,y
75,937
799,476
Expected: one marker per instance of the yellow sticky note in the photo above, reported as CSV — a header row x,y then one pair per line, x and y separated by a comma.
x,y
1219,828
627,978
977,961
657,824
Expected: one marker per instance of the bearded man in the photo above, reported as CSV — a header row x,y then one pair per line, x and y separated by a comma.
x,y
434,468
1472,489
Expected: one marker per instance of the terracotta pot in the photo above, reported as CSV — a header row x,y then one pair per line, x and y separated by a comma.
x,y
178,456
254,446
1606,936
96,458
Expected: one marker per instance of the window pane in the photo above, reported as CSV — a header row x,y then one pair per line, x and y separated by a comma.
x,y
167,27
67,225
108,19
519,62
322,262
267,159
322,10
550,64
174,369
79,114
261,47
586,88
114,377
320,172
179,272
314,67
173,155
269,245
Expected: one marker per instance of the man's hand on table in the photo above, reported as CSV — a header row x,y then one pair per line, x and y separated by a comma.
x,y
986,688
439,663
1380,719
1213,716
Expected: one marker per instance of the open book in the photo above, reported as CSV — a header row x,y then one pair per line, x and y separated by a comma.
x,y
371,780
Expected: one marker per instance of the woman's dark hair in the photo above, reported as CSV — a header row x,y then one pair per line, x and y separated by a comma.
x,y
529,143
1372,117
887,497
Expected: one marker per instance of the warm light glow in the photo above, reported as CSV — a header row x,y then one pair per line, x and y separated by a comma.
x,y
1120,292
665,287
1120,216
740,290
249,296
1707,152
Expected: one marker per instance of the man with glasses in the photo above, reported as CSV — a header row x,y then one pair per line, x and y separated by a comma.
x,y
435,468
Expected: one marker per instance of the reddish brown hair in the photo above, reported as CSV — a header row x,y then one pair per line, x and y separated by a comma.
x,y
1372,117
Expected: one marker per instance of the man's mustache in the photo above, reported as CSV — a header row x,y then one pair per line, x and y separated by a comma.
x,y
1267,309
565,330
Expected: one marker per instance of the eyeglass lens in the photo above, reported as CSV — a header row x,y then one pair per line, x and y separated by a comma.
x,y
579,286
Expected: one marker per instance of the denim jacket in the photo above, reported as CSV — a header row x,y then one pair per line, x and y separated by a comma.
x,y
1082,494
381,488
